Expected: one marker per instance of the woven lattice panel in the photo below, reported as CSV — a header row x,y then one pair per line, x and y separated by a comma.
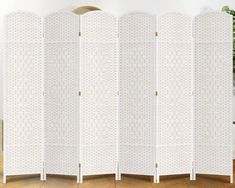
x,y
213,93
61,93
99,99
175,125
23,95
137,93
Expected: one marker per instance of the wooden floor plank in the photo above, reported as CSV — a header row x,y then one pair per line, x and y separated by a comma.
x,y
108,181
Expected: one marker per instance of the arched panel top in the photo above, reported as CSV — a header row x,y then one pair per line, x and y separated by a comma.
x,y
23,27
175,27
137,26
99,26
61,27
213,27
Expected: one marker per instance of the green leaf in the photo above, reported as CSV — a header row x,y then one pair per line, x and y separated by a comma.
x,y
225,8
231,12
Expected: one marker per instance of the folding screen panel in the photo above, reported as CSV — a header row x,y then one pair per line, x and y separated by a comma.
x,y
61,93
23,95
99,94
213,93
137,94
175,112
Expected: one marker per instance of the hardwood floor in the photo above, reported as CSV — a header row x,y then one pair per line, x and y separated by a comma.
x,y
128,181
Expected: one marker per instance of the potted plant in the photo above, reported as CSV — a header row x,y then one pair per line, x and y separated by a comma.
x,y
232,12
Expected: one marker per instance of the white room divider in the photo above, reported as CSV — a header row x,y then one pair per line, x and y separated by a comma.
x,y
23,95
213,94
61,93
99,94
175,107
137,94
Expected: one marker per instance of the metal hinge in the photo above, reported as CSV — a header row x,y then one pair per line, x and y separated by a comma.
x,y
79,93
156,93
156,165
79,33
156,34
79,165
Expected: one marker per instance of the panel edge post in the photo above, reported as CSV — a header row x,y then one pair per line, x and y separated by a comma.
x,y
117,174
4,180
231,178
80,173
